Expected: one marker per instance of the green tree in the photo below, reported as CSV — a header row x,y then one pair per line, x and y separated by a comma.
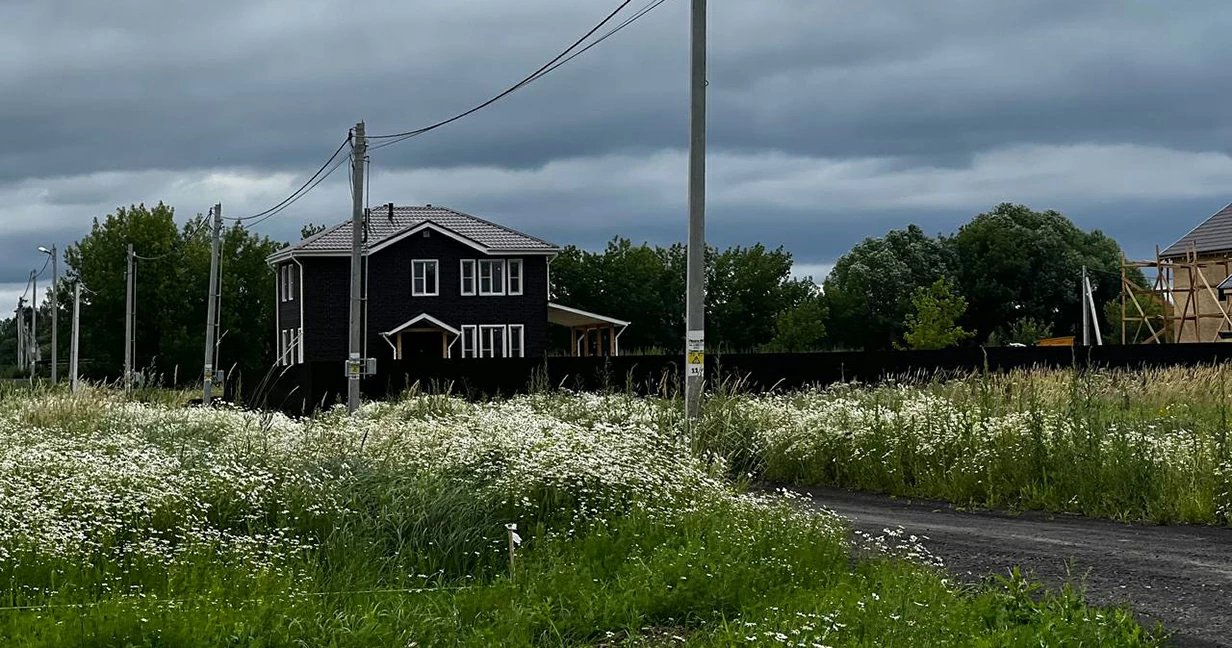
x,y
1015,263
934,324
871,287
801,328
311,229
748,290
1024,330
171,284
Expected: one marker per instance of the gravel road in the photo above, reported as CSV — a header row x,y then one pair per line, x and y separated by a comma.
x,y
1180,576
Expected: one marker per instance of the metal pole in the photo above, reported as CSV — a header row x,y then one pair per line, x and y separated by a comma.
x,y
55,315
695,336
207,380
359,149
73,348
1086,323
128,322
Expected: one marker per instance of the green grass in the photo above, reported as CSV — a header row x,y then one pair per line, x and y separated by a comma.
x,y
1145,446
148,525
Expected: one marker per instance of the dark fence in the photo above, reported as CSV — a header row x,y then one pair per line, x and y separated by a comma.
x,y
303,388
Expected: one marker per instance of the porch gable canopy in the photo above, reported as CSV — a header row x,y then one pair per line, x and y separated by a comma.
x,y
578,318
428,321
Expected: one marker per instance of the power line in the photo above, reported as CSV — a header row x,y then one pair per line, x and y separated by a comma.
x,y
534,76
270,213
298,193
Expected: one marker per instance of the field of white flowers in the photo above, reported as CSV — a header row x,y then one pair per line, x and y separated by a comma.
x,y
1132,446
135,524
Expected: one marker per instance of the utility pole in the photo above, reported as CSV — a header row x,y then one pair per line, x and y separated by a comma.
x,y
20,319
210,309
1086,315
695,335
359,150
38,353
73,348
1093,318
55,311
128,322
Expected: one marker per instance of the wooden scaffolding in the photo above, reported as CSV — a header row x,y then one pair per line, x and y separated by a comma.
x,y
1175,305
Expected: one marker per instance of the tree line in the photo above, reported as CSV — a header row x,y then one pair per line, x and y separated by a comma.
x,y
1009,275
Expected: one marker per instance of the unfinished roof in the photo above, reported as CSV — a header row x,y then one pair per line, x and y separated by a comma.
x,y
385,226
1213,235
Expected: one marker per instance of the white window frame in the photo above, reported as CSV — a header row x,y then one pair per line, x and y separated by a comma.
x,y
464,275
284,343
520,335
299,345
282,283
290,282
485,336
436,278
470,334
509,264
493,288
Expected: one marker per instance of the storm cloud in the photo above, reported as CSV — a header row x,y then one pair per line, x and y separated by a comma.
x,y
830,120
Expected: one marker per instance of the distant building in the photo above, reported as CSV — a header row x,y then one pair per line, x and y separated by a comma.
x,y
437,283
1199,267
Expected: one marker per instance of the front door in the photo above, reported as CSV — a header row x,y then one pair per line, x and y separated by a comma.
x,y
418,345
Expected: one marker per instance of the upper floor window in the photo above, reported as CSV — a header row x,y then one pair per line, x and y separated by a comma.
x,y
468,276
286,282
425,281
491,276
514,273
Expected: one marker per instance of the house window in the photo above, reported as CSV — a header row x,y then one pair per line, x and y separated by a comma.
x,y
515,276
468,342
282,283
299,345
492,341
491,277
424,279
290,282
468,276
516,340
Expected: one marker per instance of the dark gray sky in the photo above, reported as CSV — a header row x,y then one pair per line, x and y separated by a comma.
x,y
831,120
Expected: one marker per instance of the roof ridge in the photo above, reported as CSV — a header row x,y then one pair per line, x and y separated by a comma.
x,y
498,225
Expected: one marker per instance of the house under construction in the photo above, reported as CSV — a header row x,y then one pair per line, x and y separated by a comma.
x,y
1188,299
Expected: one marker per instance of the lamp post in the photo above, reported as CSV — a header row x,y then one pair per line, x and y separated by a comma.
x,y
55,281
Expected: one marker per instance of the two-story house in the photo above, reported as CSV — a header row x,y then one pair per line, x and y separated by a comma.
x,y
436,283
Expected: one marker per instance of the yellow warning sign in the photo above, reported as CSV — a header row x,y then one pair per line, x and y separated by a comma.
x,y
697,357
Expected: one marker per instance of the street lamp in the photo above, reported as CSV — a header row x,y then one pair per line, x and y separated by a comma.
x,y
55,308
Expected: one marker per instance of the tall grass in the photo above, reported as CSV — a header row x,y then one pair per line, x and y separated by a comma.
x,y
136,524
1147,445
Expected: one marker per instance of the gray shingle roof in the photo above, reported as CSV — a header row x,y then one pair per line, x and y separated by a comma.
x,y
1213,235
382,226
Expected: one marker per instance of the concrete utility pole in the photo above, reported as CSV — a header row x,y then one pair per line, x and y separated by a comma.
x,y
128,322
1093,318
21,334
55,311
359,150
38,353
695,335
73,348
210,309
1086,315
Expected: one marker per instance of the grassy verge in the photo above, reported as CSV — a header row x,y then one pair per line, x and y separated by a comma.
x,y
1149,446
137,525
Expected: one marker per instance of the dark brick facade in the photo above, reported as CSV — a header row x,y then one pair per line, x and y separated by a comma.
x,y
326,293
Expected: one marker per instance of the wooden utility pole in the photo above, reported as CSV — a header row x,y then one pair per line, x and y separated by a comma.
x,y
55,312
695,325
207,381
354,368
21,333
